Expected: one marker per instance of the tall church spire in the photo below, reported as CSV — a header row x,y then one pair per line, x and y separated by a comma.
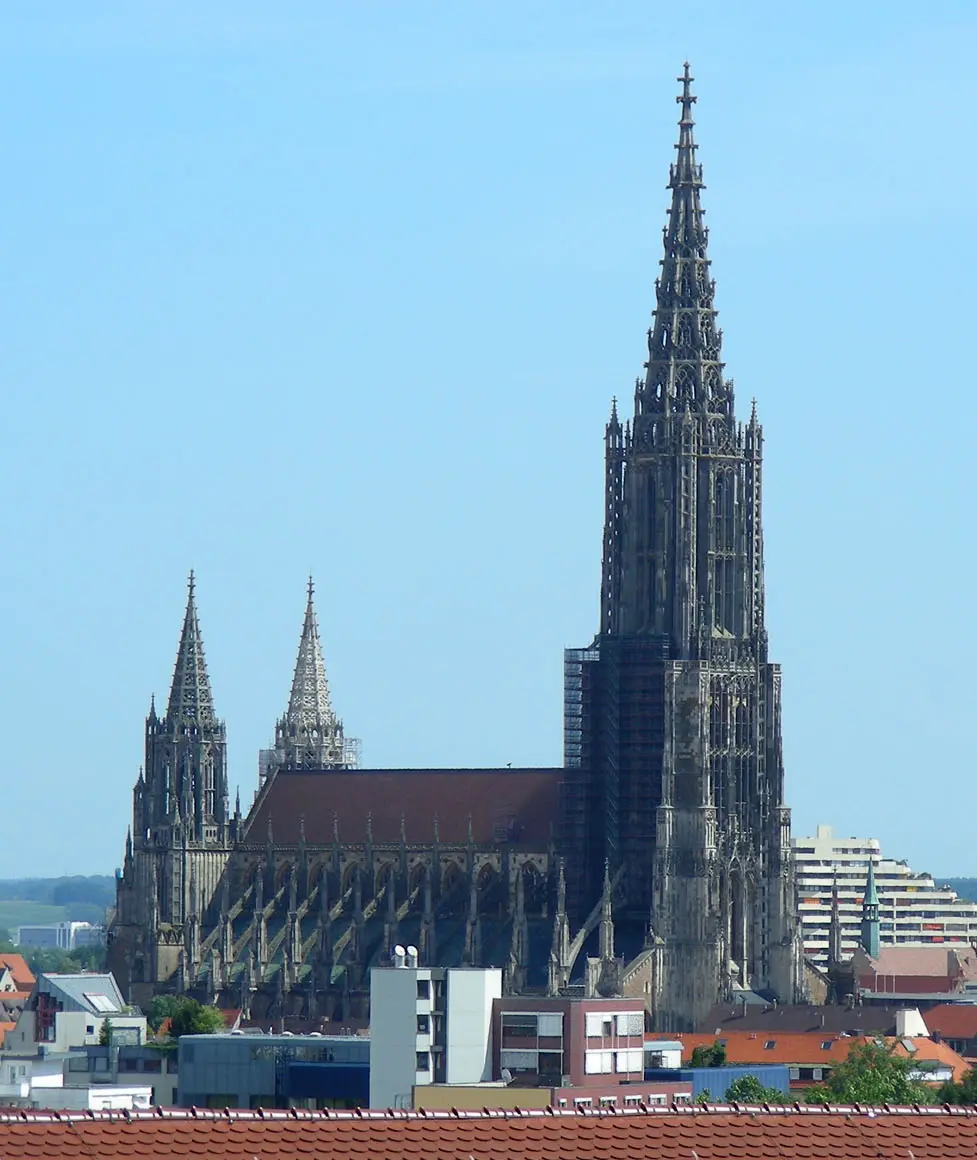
x,y
684,368
310,735
191,699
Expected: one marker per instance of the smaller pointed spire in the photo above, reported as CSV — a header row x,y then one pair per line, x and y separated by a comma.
x,y
237,803
870,915
606,936
834,933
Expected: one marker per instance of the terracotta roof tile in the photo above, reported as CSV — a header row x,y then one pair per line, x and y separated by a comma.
x,y
811,1049
639,1134
522,800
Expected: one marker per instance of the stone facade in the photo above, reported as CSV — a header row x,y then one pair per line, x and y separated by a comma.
x,y
658,857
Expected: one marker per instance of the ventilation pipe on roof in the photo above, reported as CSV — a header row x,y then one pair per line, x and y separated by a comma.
x,y
399,956
412,956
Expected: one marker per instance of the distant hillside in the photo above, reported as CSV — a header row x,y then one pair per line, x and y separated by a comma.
x,y
965,887
75,899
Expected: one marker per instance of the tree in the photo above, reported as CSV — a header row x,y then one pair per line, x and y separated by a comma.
x,y
193,1018
964,1092
105,1033
714,1056
161,1007
872,1074
748,1090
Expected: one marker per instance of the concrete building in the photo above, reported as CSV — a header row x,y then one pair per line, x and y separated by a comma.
x,y
428,1025
913,909
66,936
251,1070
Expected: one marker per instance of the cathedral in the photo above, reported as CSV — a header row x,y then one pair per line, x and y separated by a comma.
x,y
656,858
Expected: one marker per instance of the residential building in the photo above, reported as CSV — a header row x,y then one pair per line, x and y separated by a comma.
x,y
638,1133
66,1011
428,1025
912,909
922,975
811,1056
249,1070
956,1025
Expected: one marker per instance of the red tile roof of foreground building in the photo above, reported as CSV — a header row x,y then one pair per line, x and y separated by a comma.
x,y
20,972
815,1049
803,1133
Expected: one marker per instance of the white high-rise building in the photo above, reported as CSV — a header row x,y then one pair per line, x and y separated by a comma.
x,y
913,910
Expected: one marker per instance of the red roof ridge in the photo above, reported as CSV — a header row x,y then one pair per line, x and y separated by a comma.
x,y
771,1111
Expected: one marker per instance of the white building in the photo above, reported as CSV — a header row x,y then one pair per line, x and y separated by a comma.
x,y
66,1011
428,1025
66,936
913,910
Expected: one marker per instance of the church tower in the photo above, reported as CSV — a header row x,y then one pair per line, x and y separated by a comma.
x,y
672,743
309,735
182,830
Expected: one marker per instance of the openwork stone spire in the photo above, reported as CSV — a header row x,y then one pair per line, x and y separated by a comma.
x,y
309,736
684,368
191,699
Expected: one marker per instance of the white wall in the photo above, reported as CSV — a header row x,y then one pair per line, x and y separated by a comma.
x,y
468,1032
394,1008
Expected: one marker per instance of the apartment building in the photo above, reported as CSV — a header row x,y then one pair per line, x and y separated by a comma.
x,y
913,909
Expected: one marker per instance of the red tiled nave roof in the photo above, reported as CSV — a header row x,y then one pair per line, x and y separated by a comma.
x,y
802,1133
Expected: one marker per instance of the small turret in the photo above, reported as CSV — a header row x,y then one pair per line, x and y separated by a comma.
x,y
870,915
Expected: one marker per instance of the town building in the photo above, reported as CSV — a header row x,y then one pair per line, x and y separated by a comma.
x,y
913,909
66,936
66,1011
639,1133
428,1025
251,1070
663,841
811,1056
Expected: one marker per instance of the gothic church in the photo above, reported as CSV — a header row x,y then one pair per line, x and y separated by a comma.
x,y
659,852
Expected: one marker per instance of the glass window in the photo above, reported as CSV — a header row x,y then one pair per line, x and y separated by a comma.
x,y
423,1024
423,1061
519,1026
423,989
550,1024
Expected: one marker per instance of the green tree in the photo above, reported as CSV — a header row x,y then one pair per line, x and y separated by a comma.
x,y
161,1007
748,1090
873,1075
105,1033
714,1056
964,1092
193,1018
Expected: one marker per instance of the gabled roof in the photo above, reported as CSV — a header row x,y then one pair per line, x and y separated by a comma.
x,y
816,1049
879,1018
933,962
804,1133
22,975
517,805
952,1020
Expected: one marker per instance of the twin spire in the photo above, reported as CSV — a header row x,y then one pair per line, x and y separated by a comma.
x,y
309,735
191,699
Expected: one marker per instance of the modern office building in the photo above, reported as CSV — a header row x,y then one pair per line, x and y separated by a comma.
x,y
428,1025
913,909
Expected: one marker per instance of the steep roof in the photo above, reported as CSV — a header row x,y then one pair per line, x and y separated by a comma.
x,y
517,805
22,975
804,1133
815,1049
952,1020
933,962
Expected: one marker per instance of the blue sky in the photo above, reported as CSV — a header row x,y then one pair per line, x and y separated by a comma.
x,y
347,288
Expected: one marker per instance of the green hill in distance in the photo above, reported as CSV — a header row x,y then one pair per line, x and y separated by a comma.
x,y
79,898
965,887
